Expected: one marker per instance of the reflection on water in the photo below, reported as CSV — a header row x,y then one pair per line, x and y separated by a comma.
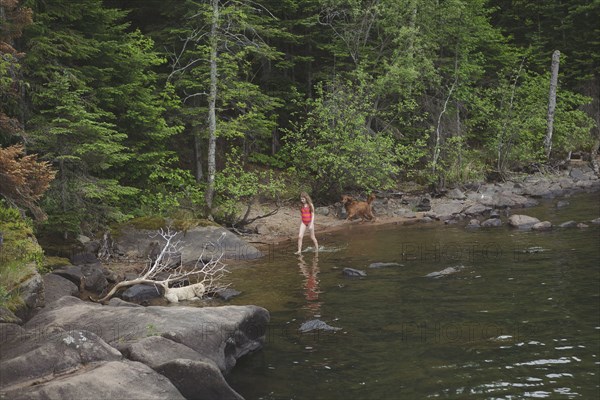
x,y
311,283
505,315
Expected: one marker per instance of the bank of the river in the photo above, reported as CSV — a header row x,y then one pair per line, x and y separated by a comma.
x,y
408,206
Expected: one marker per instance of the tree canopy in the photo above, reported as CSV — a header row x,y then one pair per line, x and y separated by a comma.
x,y
160,107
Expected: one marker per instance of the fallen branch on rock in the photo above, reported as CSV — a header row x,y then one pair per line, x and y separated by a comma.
x,y
165,272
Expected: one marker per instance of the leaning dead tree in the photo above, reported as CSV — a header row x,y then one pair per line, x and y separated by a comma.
x,y
552,102
167,270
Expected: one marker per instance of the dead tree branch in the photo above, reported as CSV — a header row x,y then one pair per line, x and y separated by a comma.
x,y
167,269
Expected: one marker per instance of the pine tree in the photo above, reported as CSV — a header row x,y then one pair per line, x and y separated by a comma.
x,y
13,19
97,112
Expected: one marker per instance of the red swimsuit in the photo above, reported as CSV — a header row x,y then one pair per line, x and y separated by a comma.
x,y
306,214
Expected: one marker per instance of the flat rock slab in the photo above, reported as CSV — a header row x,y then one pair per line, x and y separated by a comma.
x,y
109,380
31,358
221,334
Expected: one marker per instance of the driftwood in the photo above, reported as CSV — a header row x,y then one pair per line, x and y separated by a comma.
x,y
207,272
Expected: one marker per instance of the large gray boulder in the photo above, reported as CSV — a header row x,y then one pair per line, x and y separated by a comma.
x,y
109,380
53,363
198,380
76,349
505,199
32,358
90,277
447,209
31,292
197,243
221,334
214,240
56,287
522,221
194,375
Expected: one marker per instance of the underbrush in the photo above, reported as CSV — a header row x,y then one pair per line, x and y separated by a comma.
x,y
20,254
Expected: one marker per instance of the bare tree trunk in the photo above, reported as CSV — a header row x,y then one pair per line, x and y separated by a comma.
x,y
552,102
212,119
438,133
198,161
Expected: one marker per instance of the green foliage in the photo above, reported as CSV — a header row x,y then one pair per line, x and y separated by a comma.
x,y
235,186
267,160
570,26
20,255
170,189
98,115
334,150
412,159
462,164
514,116
572,126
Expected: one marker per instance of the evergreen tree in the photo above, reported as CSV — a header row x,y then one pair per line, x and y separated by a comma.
x,y
13,19
97,113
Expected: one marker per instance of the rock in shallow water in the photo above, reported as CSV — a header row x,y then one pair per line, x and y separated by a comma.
x,y
317,325
444,272
353,273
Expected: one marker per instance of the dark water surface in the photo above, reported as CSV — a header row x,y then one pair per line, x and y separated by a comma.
x,y
520,318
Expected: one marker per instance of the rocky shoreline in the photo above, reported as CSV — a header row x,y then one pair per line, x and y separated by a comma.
x,y
59,346
474,205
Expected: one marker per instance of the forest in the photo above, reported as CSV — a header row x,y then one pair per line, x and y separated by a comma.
x,y
112,109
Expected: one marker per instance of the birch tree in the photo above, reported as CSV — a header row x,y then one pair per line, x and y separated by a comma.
x,y
212,64
552,102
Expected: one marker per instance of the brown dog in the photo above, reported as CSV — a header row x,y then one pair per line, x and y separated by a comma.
x,y
355,208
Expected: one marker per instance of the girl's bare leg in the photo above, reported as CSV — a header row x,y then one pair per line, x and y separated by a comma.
x,y
300,235
314,239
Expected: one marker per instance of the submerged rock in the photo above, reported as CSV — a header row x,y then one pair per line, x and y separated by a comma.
x,y
444,272
474,223
227,294
492,223
353,273
384,265
568,224
542,226
317,325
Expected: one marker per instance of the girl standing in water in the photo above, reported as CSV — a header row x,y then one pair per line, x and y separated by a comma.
x,y
308,220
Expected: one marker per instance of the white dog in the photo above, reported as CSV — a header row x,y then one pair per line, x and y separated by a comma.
x,y
191,292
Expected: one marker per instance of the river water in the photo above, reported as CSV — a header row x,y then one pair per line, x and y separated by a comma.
x,y
520,317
